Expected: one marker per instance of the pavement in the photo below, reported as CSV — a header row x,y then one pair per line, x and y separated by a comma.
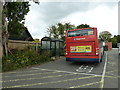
x,y
67,75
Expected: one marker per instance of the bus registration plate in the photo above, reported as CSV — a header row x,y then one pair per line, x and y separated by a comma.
x,y
81,49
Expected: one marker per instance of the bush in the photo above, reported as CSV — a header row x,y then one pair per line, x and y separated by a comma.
x,y
24,58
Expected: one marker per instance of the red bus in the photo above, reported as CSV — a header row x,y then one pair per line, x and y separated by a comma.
x,y
83,45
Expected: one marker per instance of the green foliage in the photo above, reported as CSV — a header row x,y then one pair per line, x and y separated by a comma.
x,y
59,30
17,29
13,18
15,13
105,35
115,40
24,58
54,31
17,10
82,26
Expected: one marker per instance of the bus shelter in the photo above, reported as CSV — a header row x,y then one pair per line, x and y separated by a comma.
x,y
52,45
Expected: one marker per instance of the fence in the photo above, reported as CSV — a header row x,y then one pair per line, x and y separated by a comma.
x,y
19,45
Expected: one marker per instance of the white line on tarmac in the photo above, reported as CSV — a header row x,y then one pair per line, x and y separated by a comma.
x,y
103,75
91,69
79,68
69,72
86,67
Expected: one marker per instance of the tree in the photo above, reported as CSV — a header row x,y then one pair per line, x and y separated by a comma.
x,y
115,40
54,31
13,20
59,30
118,38
105,35
82,26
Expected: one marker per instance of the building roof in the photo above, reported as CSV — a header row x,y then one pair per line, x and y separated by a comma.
x,y
25,36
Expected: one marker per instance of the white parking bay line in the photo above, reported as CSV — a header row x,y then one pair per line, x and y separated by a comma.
x,y
67,72
103,75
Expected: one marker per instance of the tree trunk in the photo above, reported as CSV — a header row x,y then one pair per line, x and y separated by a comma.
x,y
4,31
1,48
5,40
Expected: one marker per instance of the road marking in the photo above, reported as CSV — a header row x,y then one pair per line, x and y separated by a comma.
x,y
84,69
112,76
37,78
79,68
31,74
30,71
91,69
85,85
48,77
70,72
14,80
19,72
112,71
34,84
103,75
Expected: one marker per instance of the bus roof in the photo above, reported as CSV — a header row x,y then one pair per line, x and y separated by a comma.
x,y
82,28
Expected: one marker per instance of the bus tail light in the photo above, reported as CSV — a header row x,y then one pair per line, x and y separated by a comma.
x,y
66,53
97,51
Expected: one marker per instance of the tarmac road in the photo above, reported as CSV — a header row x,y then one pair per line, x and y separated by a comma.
x,y
62,74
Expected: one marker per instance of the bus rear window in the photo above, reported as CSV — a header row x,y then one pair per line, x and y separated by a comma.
x,y
81,33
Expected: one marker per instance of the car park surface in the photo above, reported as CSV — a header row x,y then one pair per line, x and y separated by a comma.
x,y
62,74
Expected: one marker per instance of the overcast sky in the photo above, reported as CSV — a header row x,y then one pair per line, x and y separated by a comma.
x,y
100,14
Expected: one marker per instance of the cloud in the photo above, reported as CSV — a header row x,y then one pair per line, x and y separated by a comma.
x,y
54,11
98,14
102,17
46,14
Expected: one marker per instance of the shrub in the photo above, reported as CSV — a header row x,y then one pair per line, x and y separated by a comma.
x,y
24,58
